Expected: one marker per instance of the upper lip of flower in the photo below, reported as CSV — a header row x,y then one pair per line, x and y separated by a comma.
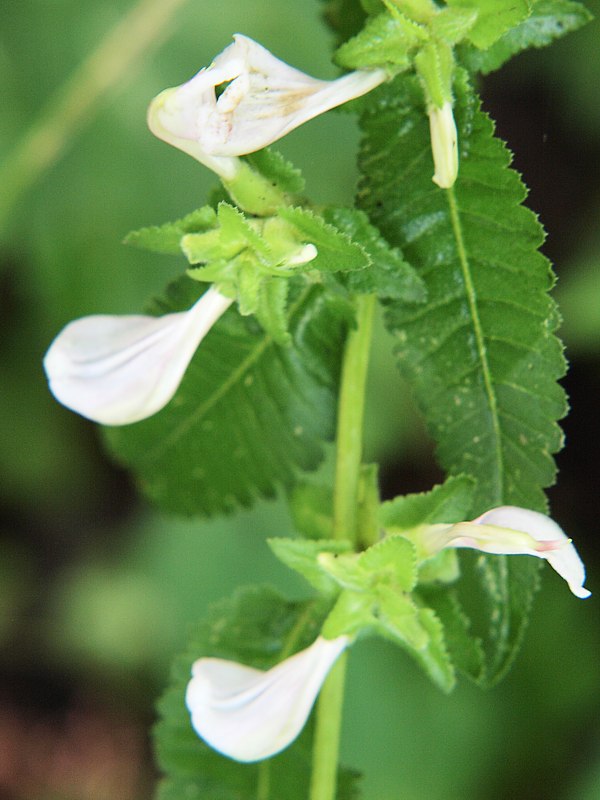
x,y
265,99
511,530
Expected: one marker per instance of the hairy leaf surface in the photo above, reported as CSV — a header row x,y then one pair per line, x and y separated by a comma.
x,y
480,354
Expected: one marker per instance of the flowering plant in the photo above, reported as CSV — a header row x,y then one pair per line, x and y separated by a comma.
x,y
212,410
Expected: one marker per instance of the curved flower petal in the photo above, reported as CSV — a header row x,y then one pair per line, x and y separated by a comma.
x,y
514,531
248,714
121,369
265,99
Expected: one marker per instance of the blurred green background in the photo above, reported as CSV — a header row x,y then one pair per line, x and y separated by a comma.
x,y
96,588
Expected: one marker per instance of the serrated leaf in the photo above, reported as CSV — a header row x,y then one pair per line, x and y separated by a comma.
x,y
467,650
440,568
336,250
277,169
166,238
480,354
549,19
394,559
494,18
236,227
452,24
249,413
345,570
448,502
389,275
257,627
385,39
398,617
434,657
271,309
301,556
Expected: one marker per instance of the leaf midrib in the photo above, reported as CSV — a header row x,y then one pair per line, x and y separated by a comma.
x,y
471,294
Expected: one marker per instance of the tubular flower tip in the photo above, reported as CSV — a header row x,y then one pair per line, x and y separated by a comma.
x,y
249,714
121,369
263,100
510,530
444,145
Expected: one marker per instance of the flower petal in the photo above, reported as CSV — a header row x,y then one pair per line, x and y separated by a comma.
x,y
513,531
444,145
248,714
172,117
121,369
265,99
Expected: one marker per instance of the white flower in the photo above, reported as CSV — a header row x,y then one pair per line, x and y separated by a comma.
x,y
443,145
511,530
121,369
264,100
248,714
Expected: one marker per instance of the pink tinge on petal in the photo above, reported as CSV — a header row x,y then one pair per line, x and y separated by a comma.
x,y
564,559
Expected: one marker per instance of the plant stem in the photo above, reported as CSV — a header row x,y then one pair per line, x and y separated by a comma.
x,y
351,407
349,437
326,743
263,787
112,62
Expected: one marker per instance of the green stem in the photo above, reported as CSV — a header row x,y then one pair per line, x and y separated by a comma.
x,y
351,406
110,63
327,734
263,786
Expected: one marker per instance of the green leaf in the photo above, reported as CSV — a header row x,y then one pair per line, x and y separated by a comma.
x,y
480,354
448,502
277,169
549,20
452,24
398,618
236,227
434,657
385,39
272,309
301,555
389,275
467,650
494,18
257,627
336,250
166,238
249,413
392,560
